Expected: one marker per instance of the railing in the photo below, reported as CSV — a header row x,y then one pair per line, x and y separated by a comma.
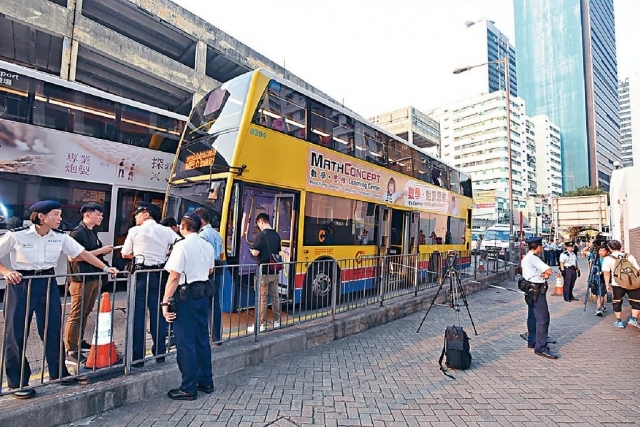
x,y
299,292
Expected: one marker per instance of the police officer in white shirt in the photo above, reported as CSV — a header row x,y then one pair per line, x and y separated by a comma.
x,y
34,252
536,272
148,244
190,264
569,269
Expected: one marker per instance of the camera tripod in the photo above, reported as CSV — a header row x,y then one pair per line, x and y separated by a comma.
x,y
456,291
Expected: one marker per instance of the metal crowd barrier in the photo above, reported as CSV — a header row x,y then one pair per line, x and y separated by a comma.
x,y
305,291
51,305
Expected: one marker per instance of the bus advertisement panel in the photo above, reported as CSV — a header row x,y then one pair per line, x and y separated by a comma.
x,y
341,174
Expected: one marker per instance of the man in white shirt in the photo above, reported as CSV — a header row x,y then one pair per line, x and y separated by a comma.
x,y
190,264
536,272
613,286
147,245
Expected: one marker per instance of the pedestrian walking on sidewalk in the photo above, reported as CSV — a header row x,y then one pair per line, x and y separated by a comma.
x,y
190,264
34,251
613,286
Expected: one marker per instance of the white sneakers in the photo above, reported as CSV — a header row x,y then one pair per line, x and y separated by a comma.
x,y
251,328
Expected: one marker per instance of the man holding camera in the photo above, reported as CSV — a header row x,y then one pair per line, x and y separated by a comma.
x,y
190,264
535,274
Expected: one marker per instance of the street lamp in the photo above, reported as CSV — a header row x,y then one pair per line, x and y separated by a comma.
x,y
505,61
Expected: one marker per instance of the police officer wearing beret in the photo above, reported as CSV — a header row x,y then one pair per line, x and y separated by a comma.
x,y
190,264
536,272
148,244
34,252
84,289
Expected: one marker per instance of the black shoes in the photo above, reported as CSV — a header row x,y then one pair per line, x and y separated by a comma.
x,y
546,353
177,394
525,337
25,394
85,346
207,390
66,380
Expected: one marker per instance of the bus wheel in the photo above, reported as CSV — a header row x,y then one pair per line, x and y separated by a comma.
x,y
319,283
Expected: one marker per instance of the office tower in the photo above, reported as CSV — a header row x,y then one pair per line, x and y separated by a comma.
x,y
567,70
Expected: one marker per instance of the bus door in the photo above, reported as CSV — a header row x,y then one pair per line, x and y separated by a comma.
x,y
384,230
284,216
398,237
124,218
412,233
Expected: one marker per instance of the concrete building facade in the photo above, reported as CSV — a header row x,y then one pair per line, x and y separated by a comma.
x,y
482,42
567,70
412,125
546,137
474,139
150,51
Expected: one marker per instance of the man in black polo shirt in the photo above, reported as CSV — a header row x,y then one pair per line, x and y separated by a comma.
x,y
84,289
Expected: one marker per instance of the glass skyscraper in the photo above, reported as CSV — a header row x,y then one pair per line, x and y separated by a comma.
x,y
567,69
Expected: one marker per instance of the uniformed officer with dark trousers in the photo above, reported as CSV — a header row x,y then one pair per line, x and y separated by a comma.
x,y
569,269
211,235
536,272
34,251
190,264
148,244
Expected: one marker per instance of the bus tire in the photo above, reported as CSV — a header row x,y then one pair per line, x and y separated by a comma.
x,y
319,283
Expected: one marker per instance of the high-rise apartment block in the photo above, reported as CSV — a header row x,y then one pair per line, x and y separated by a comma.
x,y
629,96
567,70
473,134
482,42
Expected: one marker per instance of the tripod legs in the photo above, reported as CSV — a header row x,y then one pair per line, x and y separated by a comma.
x,y
455,289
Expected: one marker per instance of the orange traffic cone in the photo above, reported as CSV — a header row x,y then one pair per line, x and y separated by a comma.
x,y
103,350
481,266
559,289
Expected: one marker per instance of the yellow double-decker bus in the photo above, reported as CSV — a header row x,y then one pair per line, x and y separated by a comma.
x,y
334,185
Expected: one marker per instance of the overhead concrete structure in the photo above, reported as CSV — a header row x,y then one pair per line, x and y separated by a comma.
x,y
413,126
151,51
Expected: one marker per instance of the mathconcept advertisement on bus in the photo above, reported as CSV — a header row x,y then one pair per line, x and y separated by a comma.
x,y
39,151
337,173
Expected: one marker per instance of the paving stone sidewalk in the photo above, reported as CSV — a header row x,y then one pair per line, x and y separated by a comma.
x,y
388,376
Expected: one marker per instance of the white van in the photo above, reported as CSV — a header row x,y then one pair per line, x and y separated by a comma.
x,y
496,239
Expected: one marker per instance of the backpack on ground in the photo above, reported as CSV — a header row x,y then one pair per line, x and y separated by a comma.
x,y
625,273
456,348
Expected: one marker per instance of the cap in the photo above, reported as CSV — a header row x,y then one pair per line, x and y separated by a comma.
x,y
193,216
530,240
146,206
45,206
91,207
568,244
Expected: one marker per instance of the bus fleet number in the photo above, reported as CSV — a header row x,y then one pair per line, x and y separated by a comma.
x,y
258,133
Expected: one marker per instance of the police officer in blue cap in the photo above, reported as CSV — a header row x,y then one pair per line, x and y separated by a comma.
x,y
190,264
34,252
147,244
536,273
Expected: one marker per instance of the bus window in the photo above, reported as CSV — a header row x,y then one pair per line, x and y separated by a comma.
x,y
343,134
457,230
283,110
454,180
465,185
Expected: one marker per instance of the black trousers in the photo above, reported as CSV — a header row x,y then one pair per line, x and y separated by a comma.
x,y
569,282
21,304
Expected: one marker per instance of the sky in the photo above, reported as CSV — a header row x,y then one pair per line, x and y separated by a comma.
x,y
379,55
